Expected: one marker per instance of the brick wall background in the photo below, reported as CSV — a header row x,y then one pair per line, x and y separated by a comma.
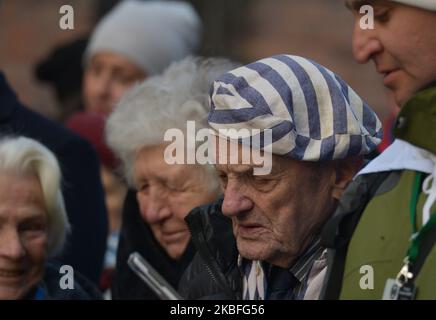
x,y
318,29
245,29
29,30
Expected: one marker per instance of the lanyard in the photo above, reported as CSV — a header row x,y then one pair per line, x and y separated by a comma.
x,y
415,241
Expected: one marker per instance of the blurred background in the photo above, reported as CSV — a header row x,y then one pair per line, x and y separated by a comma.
x,y
244,30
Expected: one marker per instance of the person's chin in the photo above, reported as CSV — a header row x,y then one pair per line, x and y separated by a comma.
x,y
252,249
402,91
402,96
14,291
100,108
251,253
176,249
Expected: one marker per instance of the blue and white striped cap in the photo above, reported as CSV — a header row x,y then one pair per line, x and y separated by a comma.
x,y
312,113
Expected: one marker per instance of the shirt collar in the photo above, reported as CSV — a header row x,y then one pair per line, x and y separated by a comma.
x,y
244,266
303,264
401,155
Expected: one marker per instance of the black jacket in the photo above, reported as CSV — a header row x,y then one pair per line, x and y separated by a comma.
x,y
82,188
137,236
213,273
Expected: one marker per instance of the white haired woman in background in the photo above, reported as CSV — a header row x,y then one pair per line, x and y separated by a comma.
x,y
164,193
33,224
135,40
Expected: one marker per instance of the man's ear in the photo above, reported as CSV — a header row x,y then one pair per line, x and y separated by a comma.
x,y
345,169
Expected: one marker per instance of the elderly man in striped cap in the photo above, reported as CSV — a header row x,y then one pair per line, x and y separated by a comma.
x,y
382,241
261,241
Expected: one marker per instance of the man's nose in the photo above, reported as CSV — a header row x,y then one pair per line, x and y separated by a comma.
x,y
365,43
235,201
11,245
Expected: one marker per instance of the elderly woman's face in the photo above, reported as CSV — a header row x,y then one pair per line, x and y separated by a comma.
x,y
107,76
23,234
166,193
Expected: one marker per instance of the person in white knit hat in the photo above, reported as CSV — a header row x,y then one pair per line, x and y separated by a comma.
x,y
382,239
137,39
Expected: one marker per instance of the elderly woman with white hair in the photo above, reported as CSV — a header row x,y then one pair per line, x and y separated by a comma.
x,y
135,40
164,193
33,224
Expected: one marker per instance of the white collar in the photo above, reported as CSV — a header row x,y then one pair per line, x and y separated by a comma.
x,y
401,155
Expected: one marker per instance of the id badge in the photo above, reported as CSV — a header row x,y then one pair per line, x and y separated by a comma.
x,y
393,291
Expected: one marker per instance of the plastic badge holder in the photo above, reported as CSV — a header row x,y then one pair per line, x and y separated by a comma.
x,y
152,278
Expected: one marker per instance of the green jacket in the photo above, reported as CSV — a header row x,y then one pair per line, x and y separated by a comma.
x,y
372,224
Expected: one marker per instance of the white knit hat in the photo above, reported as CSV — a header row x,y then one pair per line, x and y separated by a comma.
x,y
151,34
424,4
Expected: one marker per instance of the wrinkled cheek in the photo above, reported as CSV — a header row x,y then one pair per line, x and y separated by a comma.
x,y
176,250
155,229
285,237
143,209
39,258
180,210
143,215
